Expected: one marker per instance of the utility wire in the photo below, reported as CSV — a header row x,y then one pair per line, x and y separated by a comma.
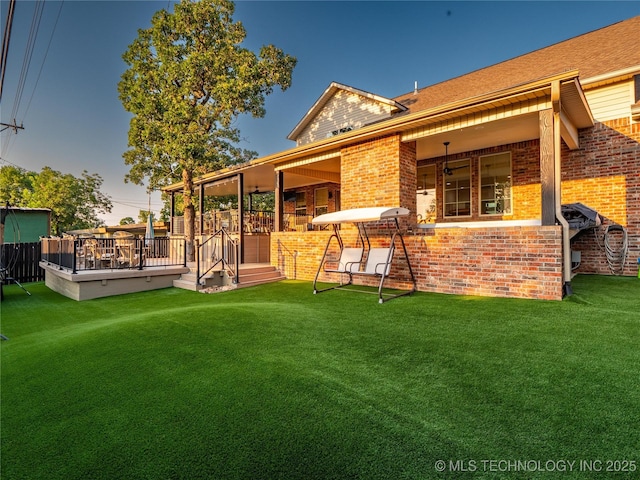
x,y
28,55
4,160
5,43
38,12
53,31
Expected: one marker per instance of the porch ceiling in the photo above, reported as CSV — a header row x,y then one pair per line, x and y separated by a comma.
x,y
260,177
508,120
498,132
309,174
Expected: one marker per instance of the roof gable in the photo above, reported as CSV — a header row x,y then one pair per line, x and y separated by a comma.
x,y
340,109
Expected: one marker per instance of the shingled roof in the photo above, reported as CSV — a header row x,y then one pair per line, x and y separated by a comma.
x,y
612,48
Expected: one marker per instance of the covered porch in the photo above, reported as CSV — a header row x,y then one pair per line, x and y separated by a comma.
x,y
489,168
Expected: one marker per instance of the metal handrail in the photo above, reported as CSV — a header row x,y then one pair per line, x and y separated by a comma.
x,y
228,256
283,253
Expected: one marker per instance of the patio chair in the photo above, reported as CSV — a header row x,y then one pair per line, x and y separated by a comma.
x,y
125,249
89,253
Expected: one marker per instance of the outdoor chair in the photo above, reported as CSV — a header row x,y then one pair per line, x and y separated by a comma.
x,y
349,261
125,250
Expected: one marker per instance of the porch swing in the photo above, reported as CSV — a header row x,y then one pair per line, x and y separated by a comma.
x,y
362,259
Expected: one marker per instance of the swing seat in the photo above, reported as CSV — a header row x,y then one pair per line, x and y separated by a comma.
x,y
378,263
349,262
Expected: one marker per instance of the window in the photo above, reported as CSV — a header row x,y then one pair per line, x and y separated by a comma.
x,y
301,208
495,184
457,189
321,198
426,194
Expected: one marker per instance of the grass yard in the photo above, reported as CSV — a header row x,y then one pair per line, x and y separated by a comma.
x,y
273,382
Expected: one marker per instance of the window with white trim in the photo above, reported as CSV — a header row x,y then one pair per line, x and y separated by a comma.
x,y
495,184
457,189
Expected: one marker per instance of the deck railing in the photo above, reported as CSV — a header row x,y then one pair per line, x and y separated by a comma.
x,y
82,254
254,222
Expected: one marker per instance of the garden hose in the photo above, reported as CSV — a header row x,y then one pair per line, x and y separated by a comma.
x,y
616,250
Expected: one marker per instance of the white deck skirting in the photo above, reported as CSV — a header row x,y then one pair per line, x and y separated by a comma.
x,y
89,284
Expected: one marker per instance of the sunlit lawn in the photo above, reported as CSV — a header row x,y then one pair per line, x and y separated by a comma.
x,y
273,382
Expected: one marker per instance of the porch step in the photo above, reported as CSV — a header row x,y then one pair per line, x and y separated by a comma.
x,y
187,281
250,275
257,274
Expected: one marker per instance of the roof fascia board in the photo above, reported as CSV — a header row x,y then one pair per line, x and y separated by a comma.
x,y
607,77
576,85
300,161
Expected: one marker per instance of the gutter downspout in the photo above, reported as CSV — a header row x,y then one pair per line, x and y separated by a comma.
x,y
557,179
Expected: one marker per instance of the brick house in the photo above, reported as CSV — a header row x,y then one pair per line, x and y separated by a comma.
x,y
483,161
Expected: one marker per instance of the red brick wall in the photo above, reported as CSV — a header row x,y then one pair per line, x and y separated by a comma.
x,y
604,174
522,262
378,173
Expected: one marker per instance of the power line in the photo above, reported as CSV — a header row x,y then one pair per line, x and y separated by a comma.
x,y
5,43
139,206
35,25
4,160
28,55
53,31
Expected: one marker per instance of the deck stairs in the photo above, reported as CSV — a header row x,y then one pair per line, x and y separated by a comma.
x,y
250,274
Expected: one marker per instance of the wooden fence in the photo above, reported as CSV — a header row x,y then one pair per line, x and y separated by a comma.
x,y
22,261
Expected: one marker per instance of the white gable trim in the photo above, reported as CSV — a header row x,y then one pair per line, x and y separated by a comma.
x,y
328,94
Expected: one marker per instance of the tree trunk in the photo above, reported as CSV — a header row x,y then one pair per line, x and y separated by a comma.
x,y
189,213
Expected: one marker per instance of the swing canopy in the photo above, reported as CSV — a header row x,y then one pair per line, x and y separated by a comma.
x,y
360,215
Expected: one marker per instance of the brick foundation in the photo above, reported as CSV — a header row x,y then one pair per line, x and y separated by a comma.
x,y
520,262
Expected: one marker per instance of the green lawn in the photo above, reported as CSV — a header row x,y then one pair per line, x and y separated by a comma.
x,y
273,382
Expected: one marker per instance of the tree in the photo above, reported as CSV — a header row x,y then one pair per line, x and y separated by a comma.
x,y
188,79
127,221
74,202
143,216
14,182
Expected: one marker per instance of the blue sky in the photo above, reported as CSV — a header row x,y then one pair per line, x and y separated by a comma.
x,y
73,119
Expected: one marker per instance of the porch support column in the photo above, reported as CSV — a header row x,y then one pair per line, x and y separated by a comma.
x,y
172,212
547,167
279,204
201,193
241,215
557,163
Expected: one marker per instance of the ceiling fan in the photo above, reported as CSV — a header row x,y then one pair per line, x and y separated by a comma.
x,y
448,170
